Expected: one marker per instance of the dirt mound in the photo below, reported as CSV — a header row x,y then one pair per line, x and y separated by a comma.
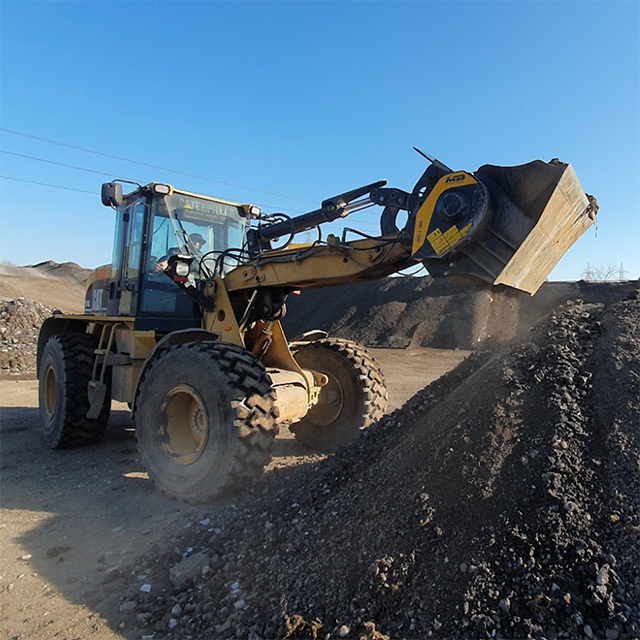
x,y
61,286
61,270
421,312
501,501
20,322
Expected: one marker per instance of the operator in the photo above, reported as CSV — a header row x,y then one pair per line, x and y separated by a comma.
x,y
195,240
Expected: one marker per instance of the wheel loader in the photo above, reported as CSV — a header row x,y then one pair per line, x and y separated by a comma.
x,y
184,324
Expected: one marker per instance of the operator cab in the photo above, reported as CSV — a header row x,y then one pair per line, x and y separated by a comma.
x,y
153,223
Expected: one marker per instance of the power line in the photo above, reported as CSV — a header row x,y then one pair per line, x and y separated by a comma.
x,y
46,184
58,186
144,164
151,166
60,164
101,173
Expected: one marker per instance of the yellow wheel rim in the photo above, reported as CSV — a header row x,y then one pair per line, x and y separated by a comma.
x,y
185,427
50,391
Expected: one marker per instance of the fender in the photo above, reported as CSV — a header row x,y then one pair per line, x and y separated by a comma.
x,y
171,339
56,325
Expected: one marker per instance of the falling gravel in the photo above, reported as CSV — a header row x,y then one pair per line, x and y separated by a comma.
x,y
501,501
401,312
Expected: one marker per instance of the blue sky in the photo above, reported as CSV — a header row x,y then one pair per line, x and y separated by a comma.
x,y
306,100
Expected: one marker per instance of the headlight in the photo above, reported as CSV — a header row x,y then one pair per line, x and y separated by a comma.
x,y
162,189
182,269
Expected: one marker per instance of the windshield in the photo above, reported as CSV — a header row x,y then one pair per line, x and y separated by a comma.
x,y
204,229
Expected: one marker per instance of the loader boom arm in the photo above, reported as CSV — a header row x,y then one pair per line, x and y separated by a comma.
x,y
330,264
499,225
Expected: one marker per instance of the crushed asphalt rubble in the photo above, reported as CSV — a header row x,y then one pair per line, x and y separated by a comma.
x,y
501,501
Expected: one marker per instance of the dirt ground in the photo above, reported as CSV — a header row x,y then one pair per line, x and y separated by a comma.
x,y
75,523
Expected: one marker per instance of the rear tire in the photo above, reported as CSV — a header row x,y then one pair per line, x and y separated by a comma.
x,y
64,374
355,397
205,420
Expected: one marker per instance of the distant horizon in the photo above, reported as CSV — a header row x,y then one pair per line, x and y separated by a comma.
x,y
7,264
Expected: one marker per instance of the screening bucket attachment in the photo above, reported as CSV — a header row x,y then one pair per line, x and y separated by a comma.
x,y
514,223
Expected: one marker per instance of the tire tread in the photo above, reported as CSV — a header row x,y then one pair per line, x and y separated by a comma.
x,y
77,351
367,371
253,408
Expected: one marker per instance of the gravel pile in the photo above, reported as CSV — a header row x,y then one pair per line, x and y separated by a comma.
x,y
501,501
20,321
408,311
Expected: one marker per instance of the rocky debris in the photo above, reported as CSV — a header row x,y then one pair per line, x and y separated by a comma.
x,y
189,568
127,606
20,322
501,501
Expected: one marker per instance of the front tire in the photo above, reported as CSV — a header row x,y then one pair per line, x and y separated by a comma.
x,y
354,398
205,420
65,370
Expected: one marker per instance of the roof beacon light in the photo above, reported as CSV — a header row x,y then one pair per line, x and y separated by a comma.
x,y
162,189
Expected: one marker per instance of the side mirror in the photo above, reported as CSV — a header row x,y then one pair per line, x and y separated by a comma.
x,y
112,194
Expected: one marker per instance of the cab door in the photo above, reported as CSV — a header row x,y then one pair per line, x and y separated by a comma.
x,y
127,259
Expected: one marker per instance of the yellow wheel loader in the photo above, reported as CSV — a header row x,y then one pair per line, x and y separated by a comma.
x,y
184,324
